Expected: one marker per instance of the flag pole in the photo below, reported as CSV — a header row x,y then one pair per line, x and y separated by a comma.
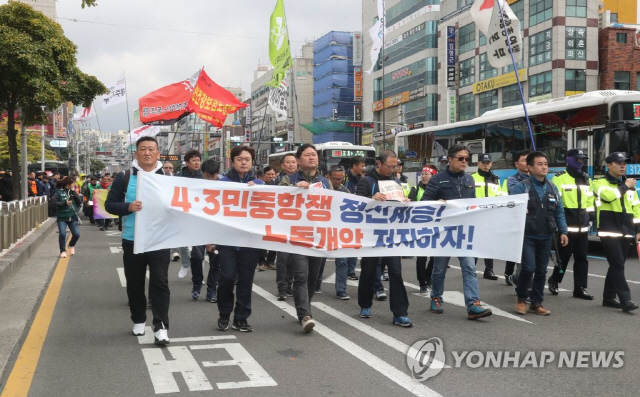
x,y
515,68
126,97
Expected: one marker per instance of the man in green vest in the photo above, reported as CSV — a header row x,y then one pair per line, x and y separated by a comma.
x,y
575,191
487,185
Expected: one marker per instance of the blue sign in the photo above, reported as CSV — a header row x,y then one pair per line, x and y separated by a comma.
x,y
411,155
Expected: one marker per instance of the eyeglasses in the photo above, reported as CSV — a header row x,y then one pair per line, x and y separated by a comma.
x,y
463,159
391,167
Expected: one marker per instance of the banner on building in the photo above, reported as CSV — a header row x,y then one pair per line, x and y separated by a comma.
x,y
376,33
168,104
357,83
357,48
451,56
99,197
489,20
319,222
117,93
278,100
211,102
279,51
145,130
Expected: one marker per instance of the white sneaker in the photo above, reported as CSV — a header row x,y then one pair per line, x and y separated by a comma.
x,y
72,250
138,329
175,257
183,272
63,254
381,295
308,324
161,337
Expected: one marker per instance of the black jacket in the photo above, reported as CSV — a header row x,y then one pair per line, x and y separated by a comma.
x,y
448,185
352,181
6,190
368,185
187,173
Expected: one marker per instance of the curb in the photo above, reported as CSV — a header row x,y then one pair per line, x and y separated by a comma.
x,y
17,256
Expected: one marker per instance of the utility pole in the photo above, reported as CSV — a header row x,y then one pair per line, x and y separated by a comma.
x,y
42,145
23,159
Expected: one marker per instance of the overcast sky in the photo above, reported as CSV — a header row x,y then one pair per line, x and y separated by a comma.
x,y
149,40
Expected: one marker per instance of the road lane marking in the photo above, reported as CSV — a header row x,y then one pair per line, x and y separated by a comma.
x,y
374,333
403,380
21,376
123,279
116,250
595,275
147,338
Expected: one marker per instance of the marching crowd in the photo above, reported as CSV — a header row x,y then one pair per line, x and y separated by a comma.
x,y
560,212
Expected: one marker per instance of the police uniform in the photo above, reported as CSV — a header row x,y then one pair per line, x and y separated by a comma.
x,y
618,220
574,187
487,185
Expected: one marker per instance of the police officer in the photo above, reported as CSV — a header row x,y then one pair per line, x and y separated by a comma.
x,y
404,180
618,222
487,185
575,191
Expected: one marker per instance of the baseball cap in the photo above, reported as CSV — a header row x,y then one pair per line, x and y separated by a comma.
x,y
431,170
484,157
616,157
400,162
443,158
577,153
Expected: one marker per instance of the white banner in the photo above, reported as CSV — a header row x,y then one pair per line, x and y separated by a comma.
x,y
278,100
117,93
145,130
376,33
178,212
486,14
84,114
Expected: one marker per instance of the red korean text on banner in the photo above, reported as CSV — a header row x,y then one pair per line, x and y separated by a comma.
x,y
168,104
211,102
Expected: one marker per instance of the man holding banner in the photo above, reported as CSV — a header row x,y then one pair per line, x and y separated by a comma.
x,y
122,201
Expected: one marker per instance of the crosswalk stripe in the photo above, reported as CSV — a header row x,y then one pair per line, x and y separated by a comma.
x,y
403,380
123,279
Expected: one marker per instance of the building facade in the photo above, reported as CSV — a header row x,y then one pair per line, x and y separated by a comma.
x,y
47,7
619,59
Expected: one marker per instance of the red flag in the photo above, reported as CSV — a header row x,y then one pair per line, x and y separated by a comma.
x,y
211,102
168,104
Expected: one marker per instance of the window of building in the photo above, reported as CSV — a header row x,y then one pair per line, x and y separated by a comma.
x,y
540,84
511,96
575,80
576,42
467,72
466,107
488,101
637,81
621,38
422,109
463,3
540,11
377,89
540,48
482,39
621,80
577,8
404,8
509,68
467,38
518,9
486,70
614,17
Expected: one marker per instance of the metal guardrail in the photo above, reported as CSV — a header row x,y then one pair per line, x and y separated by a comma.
x,y
18,217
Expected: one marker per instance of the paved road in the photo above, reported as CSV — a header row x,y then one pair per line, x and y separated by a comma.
x,y
89,349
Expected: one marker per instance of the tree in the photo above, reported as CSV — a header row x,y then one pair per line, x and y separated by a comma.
x,y
96,166
34,153
38,68
89,3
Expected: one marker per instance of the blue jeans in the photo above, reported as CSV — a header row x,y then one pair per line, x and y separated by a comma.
x,y
469,279
341,274
535,258
351,262
62,229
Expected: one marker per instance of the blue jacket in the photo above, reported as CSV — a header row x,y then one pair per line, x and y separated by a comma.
x,y
541,188
449,185
233,176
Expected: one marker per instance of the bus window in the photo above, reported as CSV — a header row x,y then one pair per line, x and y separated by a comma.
x,y
503,140
599,152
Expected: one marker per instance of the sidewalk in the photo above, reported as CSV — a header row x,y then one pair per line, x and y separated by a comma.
x,y
25,270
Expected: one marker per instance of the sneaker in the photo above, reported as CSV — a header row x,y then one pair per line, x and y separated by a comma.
x,y
380,295
436,305
262,267
402,321
102,228
307,324
271,266
385,276
175,257
538,309
138,329
160,337
223,323
353,276
63,254
211,297
195,292
241,325
183,272
513,282
365,312
521,306
507,279
282,297
318,291
553,286
424,290
476,311
72,250
628,306
343,296
289,293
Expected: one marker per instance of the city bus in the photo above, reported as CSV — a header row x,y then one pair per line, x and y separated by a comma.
x,y
332,153
50,165
598,122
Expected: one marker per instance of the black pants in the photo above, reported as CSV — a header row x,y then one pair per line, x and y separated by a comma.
x,y
509,267
235,263
284,273
267,257
615,284
104,222
135,268
214,273
488,264
305,270
578,247
398,300
197,256
320,272
424,270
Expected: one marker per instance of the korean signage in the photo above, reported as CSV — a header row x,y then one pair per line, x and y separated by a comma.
x,y
357,83
451,105
414,16
357,48
540,46
499,81
576,43
400,98
451,56
321,222
405,35
367,139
